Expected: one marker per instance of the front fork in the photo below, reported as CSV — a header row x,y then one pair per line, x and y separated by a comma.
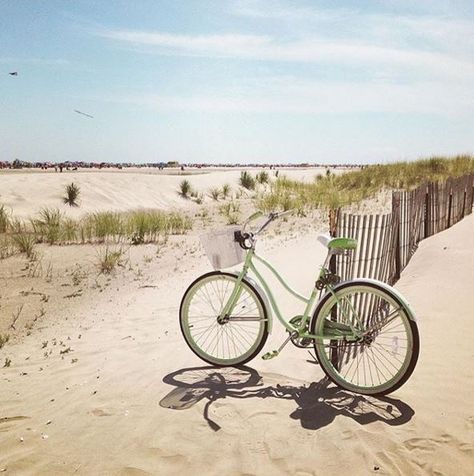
x,y
236,292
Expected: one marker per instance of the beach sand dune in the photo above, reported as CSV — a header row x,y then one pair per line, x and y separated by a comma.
x,y
115,390
27,192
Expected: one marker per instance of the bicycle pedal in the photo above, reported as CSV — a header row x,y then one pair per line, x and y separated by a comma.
x,y
270,355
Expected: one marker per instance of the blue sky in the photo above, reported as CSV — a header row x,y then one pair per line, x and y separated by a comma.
x,y
236,81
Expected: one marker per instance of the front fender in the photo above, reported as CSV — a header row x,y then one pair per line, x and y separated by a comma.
x,y
374,283
264,299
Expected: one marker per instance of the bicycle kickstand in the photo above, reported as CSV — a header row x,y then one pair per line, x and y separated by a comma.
x,y
274,353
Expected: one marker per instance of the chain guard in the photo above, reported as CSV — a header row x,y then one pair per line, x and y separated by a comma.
x,y
301,342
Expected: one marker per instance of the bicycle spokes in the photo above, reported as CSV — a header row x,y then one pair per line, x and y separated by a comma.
x,y
383,349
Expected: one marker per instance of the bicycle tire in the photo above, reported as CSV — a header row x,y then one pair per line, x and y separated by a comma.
x,y
255,342
337,354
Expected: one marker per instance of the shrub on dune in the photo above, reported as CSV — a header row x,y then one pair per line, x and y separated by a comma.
x,y
225,190
4,219
214,193
262,177
72,195
246,180
25,243
185,188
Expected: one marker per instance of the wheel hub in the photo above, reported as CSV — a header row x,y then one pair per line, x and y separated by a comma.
x,y
223,320
367,339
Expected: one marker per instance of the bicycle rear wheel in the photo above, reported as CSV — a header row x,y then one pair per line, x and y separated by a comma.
x,y
384,357
233,342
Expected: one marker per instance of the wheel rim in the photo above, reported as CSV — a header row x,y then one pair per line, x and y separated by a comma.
x,y
381,358
233,341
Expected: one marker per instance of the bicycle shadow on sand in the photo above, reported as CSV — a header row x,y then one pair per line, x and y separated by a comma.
x,y
318,403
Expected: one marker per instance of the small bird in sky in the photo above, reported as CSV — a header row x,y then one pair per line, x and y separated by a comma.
x,y
83,114
13,73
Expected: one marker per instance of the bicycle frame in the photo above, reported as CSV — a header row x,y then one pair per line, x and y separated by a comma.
x,y
349,334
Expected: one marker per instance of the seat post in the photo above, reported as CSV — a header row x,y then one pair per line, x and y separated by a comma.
x,y
328,258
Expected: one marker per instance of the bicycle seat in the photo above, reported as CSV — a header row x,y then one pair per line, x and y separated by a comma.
x,y
337,243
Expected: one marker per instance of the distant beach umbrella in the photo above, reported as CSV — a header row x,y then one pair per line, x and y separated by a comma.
x,y
83,114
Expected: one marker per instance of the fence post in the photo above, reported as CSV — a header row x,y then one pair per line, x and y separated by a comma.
x,y
450,202
396,239
427,212
464,203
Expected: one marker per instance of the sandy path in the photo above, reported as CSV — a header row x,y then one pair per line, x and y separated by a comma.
x,y
138,402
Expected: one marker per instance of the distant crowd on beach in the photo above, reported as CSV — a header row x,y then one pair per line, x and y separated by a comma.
x,y
75,165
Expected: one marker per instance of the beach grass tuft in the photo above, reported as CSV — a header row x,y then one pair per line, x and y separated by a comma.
x,y
72,195
225,190
25,243
185,189
215,193
262,177
4,338
246,180
108,259
5,219
231,212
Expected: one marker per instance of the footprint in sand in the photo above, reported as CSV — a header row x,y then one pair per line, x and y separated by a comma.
x,y
470,422
99,412
13,418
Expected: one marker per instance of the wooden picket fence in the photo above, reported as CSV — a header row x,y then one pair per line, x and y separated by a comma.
x,y
387,242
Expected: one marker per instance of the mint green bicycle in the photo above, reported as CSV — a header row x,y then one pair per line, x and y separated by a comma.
x,y
363,331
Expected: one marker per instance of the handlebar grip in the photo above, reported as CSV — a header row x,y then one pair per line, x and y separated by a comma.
x,y
287,212
254,216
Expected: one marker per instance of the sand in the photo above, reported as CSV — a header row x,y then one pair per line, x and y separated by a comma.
x,y
104,383
26,192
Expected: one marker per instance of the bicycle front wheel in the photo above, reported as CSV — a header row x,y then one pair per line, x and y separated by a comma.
x,y
385,355
233,341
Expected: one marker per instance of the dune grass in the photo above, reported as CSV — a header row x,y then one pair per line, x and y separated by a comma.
x,y
246,180
25,243
140,226
225,190
262,177
7,247
334,191
231,212
72,195
5,219
4,338
52,227
108,259
185,189
215,193
48,226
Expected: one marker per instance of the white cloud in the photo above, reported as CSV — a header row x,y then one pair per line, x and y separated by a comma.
x,y
412,63
35,61
309,50
444,31
219,44
288,95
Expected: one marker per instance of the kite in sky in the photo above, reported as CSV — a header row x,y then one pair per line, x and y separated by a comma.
x,y
14,73
83,114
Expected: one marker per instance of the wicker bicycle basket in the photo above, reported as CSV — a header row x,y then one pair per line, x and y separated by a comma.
x,y
221,248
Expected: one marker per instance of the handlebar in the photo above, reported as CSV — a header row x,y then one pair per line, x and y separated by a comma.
x,y
242,236
271,217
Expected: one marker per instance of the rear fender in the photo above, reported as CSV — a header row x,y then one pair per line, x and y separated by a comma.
x,y
370,282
